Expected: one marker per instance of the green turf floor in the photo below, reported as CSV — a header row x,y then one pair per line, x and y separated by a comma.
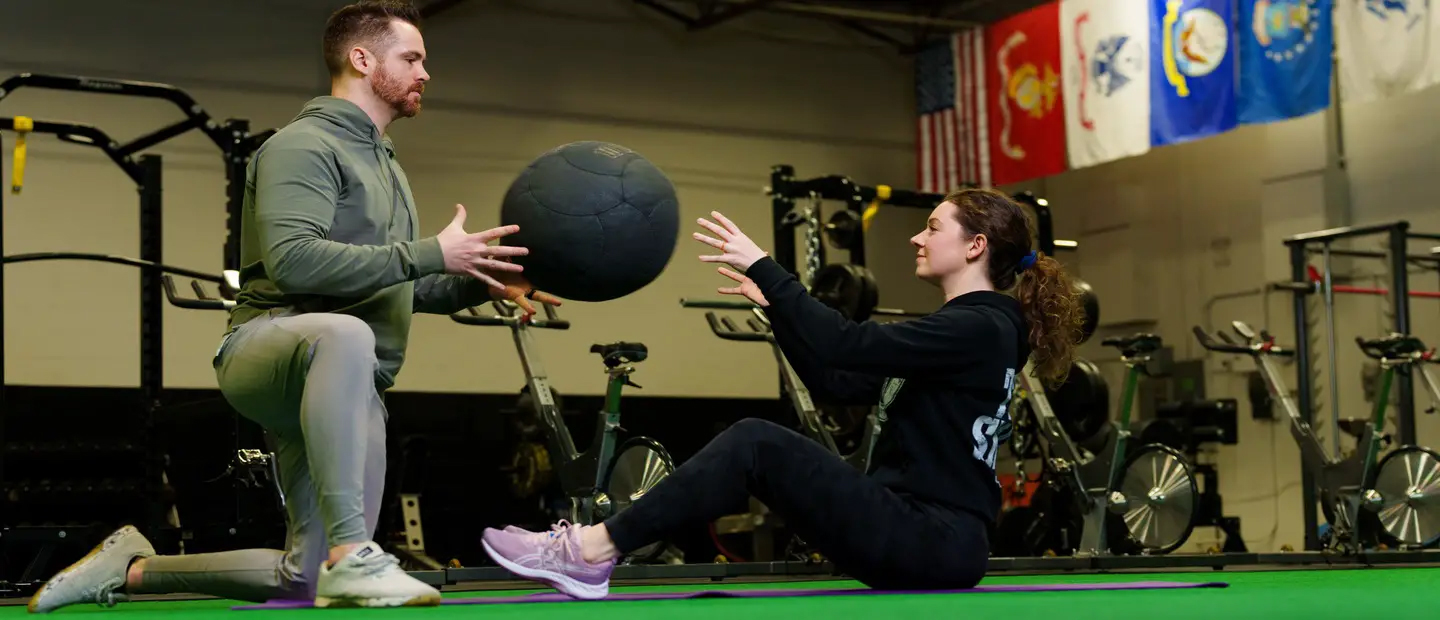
x,y
1311,594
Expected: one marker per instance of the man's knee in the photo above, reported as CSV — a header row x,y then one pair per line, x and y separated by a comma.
x,y
348,337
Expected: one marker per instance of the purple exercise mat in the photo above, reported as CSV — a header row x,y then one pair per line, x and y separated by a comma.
x,y
556,597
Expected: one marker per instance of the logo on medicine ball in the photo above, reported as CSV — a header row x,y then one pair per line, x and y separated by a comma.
x,y
612,151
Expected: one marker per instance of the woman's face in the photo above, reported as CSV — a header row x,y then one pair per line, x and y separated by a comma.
x,y
942,249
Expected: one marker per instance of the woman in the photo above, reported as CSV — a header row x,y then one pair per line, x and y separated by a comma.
x,y
918,518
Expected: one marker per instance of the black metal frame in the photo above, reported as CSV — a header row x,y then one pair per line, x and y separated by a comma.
x,y
236,144
1398,235
785,189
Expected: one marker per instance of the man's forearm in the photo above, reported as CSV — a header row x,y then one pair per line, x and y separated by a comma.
x,y
447,294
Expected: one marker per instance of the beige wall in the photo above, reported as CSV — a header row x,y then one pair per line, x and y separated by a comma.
x,y
715,110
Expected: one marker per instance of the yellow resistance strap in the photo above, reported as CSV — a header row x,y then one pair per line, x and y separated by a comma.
x,y
882,193
23,125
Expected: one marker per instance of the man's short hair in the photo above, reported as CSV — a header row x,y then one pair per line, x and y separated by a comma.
x,y
365,23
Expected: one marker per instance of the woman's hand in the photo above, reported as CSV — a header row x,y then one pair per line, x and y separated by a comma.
x,y
736,249
747,288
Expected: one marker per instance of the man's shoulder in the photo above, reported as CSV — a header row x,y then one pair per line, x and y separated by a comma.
x,y
300,134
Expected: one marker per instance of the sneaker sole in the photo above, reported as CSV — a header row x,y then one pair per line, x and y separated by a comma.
x,y
424,600
564,583
34,603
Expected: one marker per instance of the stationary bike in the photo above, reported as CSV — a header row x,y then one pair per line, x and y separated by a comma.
x,y
812,423
1117,501
1395,501
605,479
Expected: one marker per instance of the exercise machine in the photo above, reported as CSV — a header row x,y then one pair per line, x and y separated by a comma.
x,y
609,475
1106,501
812,421
1367,501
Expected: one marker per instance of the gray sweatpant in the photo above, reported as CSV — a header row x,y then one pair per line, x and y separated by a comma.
x,y
309,379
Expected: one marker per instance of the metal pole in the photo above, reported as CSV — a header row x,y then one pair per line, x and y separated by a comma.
x,y
1400,300
780,204
1304,400
152,338
1331,355
3,410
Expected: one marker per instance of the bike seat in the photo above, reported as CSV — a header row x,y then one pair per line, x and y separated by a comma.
x,y
621,352
1137,343
1393,346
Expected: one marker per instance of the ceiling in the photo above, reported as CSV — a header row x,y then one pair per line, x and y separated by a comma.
x,y
904,24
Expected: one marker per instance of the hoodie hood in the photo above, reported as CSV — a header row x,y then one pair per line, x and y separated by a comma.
x,y
345,115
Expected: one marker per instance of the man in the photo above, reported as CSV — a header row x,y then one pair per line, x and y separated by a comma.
x,y
332,271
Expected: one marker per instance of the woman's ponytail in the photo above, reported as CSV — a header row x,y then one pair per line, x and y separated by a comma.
x,y
1053,309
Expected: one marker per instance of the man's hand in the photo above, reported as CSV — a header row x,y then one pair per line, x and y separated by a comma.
x,y
747,288
471,253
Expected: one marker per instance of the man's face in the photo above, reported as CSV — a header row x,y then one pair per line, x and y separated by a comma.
x,y
399,78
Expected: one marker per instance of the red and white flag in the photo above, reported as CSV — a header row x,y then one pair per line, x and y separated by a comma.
x,y
1027,110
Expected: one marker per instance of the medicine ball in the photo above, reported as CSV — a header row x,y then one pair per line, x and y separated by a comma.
x,y
599,219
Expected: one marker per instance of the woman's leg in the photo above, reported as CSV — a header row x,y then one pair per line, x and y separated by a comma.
x,y
869,531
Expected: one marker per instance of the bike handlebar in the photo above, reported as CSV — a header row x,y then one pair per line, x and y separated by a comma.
x,y
507,314
724,327
1266,344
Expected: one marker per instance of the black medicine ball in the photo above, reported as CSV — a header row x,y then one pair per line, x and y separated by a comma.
x,y
600,221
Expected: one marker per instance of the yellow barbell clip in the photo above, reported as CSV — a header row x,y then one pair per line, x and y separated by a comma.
x,y
882,193
23,125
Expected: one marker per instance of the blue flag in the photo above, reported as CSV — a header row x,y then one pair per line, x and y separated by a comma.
x,y
1284,58
1192,70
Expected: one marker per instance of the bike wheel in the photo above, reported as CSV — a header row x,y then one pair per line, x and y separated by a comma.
x,y
1161,501
1408,481
638,465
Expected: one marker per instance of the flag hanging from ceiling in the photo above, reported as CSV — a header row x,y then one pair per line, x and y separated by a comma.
x,y
1285,63
949,96
1385,48
1104,47
1192,76
1027,116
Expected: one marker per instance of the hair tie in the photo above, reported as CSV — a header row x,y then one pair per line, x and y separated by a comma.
x,y
1026,262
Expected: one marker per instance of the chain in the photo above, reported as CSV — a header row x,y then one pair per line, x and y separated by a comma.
x,y
812,239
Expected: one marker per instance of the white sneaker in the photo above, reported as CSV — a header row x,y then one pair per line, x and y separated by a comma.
x,y
370,577
95,577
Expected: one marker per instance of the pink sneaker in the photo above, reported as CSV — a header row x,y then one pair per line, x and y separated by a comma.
x,y
552,558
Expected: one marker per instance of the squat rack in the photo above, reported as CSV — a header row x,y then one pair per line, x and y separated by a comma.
x,y
784,190
236,145
1304,282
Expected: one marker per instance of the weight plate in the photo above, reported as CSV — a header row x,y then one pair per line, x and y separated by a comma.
x,y
530,469
1091,304
1161,495
1082,403
1408,481
849,289
843,229
639,465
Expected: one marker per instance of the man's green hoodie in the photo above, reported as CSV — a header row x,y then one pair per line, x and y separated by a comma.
x,y
329,225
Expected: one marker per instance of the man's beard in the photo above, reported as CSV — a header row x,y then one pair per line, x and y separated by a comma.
x,y
395,92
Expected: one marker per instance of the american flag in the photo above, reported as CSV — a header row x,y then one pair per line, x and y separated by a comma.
x,y
952,145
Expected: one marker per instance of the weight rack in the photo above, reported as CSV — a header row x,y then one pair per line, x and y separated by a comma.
x,y
237,145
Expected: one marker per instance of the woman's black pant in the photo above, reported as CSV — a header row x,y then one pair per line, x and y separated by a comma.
x,y
873,534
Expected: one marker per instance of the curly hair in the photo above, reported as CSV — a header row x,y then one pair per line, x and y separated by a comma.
x,y
1052,305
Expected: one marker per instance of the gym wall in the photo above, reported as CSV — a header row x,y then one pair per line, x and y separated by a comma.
x,y
715,110
1185,234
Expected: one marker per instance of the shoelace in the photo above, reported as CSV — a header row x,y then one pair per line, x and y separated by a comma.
x,y
559,545
379,564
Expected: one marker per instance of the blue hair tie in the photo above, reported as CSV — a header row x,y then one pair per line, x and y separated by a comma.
x,y
1026,262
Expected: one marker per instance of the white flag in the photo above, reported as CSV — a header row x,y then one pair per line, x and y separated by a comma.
x,y
1105,56
1384,48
